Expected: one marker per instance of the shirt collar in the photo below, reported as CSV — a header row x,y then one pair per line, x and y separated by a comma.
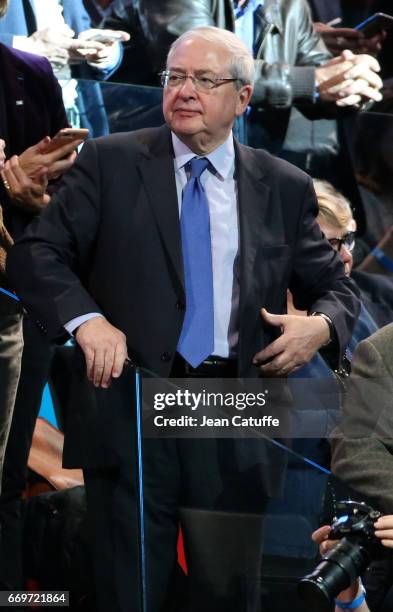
x,y
222,159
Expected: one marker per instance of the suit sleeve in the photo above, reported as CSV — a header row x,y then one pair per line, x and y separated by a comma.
x,y
363,445
296,82
43,264
319,283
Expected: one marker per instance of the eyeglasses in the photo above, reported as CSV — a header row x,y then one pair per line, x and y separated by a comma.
x,y
203,83
348,241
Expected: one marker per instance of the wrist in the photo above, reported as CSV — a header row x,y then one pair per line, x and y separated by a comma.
x,y
329,326
352,598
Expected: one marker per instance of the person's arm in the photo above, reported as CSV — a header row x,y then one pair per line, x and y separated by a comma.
x,y
49,261
355,593
66,227
315,76
318,284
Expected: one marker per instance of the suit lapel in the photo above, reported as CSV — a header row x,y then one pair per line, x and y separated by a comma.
x,y
253,198
158,177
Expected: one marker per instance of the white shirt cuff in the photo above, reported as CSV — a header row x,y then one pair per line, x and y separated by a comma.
x,y
73,324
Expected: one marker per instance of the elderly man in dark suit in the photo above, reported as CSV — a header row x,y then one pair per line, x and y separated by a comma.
x,y
128,269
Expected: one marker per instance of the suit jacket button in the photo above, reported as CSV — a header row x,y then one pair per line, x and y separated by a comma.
x,y
166,356
180,305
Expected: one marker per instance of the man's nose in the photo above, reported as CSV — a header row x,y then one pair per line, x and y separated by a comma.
x,y
188,88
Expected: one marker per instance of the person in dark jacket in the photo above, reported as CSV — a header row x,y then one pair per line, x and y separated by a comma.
x,y
293,65
31,111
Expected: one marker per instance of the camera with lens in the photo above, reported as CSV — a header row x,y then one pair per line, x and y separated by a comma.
x,y
348,559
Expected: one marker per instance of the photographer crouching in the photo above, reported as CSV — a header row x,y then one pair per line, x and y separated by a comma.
x,y
362,458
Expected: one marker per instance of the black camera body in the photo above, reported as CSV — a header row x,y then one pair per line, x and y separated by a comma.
x,y
356,521
357,546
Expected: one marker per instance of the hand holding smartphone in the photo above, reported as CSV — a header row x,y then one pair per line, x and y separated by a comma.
x,y
375,25
65,136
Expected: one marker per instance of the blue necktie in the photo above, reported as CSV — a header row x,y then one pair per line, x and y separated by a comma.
x,y
197,336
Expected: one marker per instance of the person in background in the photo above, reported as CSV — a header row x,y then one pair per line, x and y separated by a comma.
x,y
11,338
31,112
374,593
374,168
62,33
293,63
329,19
336,221
335,218
362,458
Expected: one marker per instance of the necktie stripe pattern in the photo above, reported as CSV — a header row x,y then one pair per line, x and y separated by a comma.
x,y
197,336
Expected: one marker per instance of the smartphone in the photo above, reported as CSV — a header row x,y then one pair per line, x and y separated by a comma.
x,y
375,24
64,136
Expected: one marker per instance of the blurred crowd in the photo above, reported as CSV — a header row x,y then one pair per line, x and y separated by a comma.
x,y
323,101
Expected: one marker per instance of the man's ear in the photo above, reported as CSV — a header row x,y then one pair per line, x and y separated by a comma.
x,y
244,97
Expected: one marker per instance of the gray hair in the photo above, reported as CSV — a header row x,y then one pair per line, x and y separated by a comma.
x,y
241,64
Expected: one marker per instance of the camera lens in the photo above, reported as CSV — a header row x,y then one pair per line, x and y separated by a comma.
x,y
337,570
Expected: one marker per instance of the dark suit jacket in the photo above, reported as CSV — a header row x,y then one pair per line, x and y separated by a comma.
x,y
110,242
34,109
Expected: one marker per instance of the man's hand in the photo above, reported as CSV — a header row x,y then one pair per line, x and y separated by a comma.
x,y
26,192
49,42
384,530
105,50
349,79
301,338
106,37
85,50
338,39
34,161
105,350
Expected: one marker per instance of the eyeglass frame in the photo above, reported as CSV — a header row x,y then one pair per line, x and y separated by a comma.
x,y
216,81
348,241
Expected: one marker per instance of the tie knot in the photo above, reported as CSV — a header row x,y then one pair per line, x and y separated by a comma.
x,y
198,165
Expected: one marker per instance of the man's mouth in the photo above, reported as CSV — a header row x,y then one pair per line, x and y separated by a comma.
x,y
187,112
